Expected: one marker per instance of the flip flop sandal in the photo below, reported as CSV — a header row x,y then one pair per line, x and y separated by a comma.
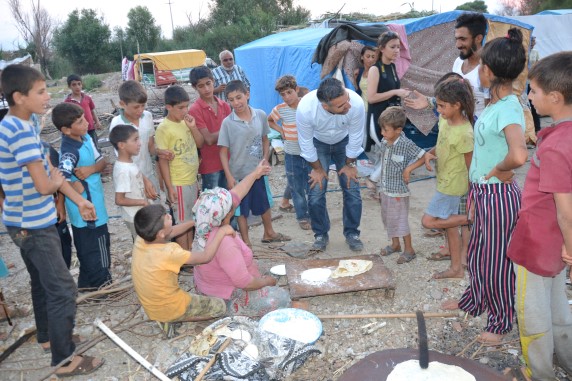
x,y
305,225
77,340
433,233
279,237
287,209
406,257
439,257
388,251
86,366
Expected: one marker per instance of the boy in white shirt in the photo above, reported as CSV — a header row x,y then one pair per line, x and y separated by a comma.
x,y
127,177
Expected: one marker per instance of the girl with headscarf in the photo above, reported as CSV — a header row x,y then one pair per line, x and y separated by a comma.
x,y
233,273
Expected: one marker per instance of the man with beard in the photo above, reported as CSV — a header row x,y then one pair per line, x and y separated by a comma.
x,y
470,30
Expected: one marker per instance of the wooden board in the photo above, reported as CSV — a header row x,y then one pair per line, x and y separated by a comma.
x,y
377,277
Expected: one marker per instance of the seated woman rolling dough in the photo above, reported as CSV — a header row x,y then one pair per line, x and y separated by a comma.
x,y
233,273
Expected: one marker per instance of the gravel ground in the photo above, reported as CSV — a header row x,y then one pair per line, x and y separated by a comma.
x,y
344,341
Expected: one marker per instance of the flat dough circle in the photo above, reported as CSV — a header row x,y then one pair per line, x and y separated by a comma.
x,y
316,275
437,371
352,267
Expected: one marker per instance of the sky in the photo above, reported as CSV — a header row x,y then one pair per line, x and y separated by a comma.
x,y
115,12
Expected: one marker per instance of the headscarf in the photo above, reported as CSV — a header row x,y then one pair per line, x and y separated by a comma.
x,y
208,212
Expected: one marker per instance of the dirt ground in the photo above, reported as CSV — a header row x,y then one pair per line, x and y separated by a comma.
x,y
343,342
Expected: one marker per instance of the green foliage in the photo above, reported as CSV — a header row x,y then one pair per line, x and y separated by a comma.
x,y
473,6
233,23
60,67
141,28
84,40
91,82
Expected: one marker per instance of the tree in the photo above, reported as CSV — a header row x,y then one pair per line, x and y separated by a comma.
x,y
141,29
473,6
233,23
84,40
36,29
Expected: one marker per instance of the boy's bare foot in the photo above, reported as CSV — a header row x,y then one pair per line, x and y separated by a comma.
x,y
450,305
79,365
449,274
490,338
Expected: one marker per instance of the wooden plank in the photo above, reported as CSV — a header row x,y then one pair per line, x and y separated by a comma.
x,y
378,277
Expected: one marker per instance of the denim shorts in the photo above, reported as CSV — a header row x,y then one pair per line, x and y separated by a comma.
x,y
443,205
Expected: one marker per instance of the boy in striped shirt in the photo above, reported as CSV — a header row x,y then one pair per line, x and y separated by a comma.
x,y
29,215
283,119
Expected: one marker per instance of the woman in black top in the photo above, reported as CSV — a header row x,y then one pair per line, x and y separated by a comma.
x,y
383,85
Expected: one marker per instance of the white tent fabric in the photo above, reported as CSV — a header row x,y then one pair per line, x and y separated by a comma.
x,y
553,32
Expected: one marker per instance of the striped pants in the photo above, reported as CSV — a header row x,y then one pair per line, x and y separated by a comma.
x,y
491,274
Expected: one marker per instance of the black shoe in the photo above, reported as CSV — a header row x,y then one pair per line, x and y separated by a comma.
x,y
354,242
320,243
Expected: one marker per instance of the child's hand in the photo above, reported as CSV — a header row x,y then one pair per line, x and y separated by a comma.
x,y
406,176
262,169
228,230
87,211
150,191
504,176
428,157
83,173
567,258
172,195
402,93
416,101
190,121
165,154
56,177
231,183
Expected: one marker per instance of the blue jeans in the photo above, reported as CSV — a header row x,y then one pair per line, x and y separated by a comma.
x,y
53,288
336,153
297,170
213,180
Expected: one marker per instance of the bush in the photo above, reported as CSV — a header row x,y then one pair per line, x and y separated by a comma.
x,y
90,82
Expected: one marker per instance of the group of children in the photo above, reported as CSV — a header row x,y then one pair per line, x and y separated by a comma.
x,y
474,159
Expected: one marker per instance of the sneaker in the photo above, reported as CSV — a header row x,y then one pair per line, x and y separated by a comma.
x,y
320,243
354,243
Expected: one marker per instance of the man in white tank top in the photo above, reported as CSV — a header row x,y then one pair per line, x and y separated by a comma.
x,y
470,31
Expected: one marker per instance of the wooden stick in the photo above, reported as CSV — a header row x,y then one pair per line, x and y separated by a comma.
x,y
103,291
150,367
213,359
390,316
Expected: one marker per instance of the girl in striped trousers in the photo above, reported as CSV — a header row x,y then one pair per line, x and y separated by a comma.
x,y
495,199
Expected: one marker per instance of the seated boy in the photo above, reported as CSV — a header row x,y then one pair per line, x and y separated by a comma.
x,y
81,164
127,178
156,264
179,134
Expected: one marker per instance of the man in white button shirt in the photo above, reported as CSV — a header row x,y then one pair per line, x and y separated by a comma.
x,y
330,124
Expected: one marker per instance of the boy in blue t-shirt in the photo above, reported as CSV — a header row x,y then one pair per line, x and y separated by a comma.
x,y
29,214
81,164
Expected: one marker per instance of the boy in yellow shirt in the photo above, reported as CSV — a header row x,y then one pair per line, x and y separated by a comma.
x,y
179,134
156,264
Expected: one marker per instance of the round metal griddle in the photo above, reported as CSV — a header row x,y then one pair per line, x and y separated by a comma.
x,y
378,365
